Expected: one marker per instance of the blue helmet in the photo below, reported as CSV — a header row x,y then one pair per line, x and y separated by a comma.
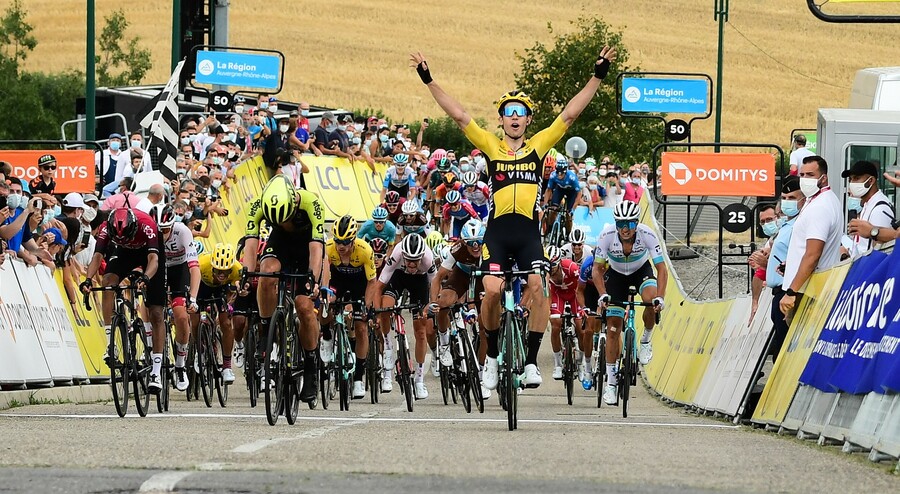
x,y
453,197
562,164
472,230
379,214
400,159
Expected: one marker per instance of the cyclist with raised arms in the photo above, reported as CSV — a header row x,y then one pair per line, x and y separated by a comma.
x,y
129,241
351,274
513,234
219,271
296,245
410,267
378,227
183,280
400,177
477,193
563,184
623,258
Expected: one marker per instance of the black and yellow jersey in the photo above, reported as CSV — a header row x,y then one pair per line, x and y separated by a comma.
x,y
362,259
206,272
515,176
308,220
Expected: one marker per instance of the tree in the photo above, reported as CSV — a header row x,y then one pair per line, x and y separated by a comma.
x,y
15,35
552,75
118,53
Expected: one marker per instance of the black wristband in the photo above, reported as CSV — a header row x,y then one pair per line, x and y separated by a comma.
x,y
424,73
790,293
601,69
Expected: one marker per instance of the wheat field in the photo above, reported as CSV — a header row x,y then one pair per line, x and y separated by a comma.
x,y
354,54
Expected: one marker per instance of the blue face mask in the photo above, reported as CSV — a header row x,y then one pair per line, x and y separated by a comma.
x,y
12,201
383,138
854,204
770,228
57,210
115,145
48,215
790,208
304,113
178,218
781,221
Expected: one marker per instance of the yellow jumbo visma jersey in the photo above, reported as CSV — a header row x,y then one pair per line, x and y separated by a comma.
x,y
362,259
206,271
515,176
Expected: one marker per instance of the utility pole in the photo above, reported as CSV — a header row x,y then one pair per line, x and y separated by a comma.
x,y
721,15
176,34
90,91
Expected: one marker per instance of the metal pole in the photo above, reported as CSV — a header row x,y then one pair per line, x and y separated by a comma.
x,y
721,14
90,91
177,38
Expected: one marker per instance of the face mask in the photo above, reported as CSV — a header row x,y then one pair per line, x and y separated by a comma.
x,y
115,145
349,134
192,137
781,221
264,105
304,113
602,171
357,140
135,144
239,109
57,210
219,160
367,143
188,215
185,141
858,189
592,187
216,184
331,128
854,204
179,218
48,215
645,171
342,128
232,155
809,186
232,137
383,138
770,228
790,208
283,128
167,188
359,127
13,201
89,214
273,108
636,181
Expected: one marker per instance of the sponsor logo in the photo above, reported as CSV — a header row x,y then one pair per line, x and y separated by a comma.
x,y
680,172
206,67
632,94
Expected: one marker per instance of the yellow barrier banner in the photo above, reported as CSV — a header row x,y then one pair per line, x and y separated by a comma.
x,y
88,331
819,296
334,181
369,184
249,179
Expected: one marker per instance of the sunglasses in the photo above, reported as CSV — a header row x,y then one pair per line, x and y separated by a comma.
x,y
378,222
629,224
515,110
473,243
380,257
48,167
346,241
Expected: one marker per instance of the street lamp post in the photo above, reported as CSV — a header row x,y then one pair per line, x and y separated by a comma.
x,y
90,92
721,15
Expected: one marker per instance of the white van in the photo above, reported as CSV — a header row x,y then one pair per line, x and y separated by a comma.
x,y
876,88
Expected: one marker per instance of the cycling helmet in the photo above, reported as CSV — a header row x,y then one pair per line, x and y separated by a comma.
x,y
577,236
550,159
379,214
449,179
278,201
453,197
199,247
401,159
410,207
562,164
123,225
554,255
443,164
345,228
165,216
379,246
590,162
516,95
413,247
472,230
222,257
470,178
392,197
434,239
626,210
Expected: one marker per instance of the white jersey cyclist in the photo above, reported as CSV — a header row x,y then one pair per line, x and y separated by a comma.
x,y
180,246
646,248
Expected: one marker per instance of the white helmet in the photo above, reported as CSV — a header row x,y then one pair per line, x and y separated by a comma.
x,y
554,255
626,210
577,236
472,230
470,178
413,247
410,207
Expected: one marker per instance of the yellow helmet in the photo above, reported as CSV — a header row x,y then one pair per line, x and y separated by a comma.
x,y
222,257
516,95
345,228
433,239
278,200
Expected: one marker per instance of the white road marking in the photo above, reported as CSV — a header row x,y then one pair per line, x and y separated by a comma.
x,y
385,419
211,467
310,434
163,482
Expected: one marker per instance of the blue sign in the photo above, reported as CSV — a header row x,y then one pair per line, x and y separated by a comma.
x,y
592,223
238,69
649,95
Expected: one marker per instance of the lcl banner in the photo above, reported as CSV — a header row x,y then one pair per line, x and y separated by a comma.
x,y
717,174
75,169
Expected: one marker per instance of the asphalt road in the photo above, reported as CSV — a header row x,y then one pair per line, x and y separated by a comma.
x,y
383,448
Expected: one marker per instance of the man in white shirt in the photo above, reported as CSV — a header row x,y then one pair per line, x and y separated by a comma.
x,y
874,211
799,153
816,237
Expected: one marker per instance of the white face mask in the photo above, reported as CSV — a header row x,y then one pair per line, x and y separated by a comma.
x,y
239,109
283,128
858,189
809,186
216,184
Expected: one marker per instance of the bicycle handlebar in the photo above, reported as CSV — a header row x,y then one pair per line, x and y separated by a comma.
x,y
115,288
510,272
397,308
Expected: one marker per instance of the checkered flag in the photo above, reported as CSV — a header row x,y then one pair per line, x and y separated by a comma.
x,y
162,123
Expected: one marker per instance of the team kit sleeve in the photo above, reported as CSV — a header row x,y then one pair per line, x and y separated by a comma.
x,y
254,218
482,139
310,203
368,256
653,247
390,265
547,138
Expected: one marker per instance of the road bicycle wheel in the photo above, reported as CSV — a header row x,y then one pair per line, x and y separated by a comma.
x,y
205,381
444,374
600,368
627,370
216,361
162,399
569,365
193,366
472,371
140,364
325,382
273,371
117,359
460,375
294,380
250,374
341,366
404,375
373,368
509,374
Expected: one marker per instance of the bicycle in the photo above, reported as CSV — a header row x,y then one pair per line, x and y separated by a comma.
x,y
627,373
209,353
598,358
512,348
127,355
283,364
402,363
559,231
374,364
465,362
570,366
166,376
250,363
344,360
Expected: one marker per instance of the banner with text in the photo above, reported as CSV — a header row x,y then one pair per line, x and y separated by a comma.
x,y
75,169
717,174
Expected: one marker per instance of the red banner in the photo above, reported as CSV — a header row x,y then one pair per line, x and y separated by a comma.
x,y
75,170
